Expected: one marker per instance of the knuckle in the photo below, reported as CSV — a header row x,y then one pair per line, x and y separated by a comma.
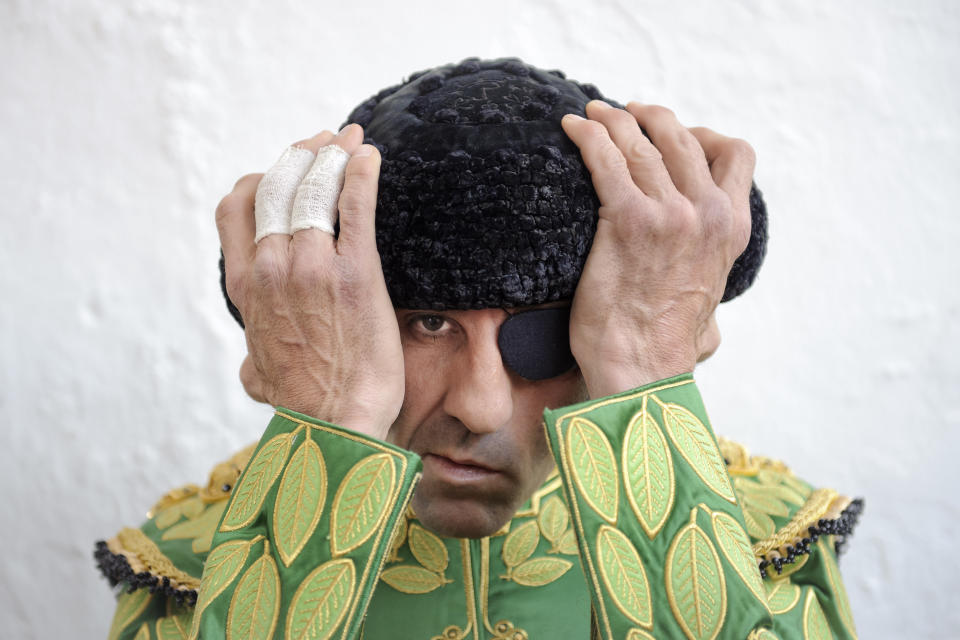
x,y
743,150
268,270
658,112
611,157
306,275
355,198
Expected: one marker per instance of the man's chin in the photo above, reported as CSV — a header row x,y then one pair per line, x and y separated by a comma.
x,y
461,518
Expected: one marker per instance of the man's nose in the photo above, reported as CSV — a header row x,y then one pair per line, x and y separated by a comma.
x,y
480,393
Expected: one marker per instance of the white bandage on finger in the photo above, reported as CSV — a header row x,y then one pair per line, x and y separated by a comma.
x,y
277,191
316,203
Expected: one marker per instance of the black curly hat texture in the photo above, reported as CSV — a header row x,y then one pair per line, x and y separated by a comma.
x,y
484,202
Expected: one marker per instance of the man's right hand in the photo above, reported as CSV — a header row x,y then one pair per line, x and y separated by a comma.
x,y
321,332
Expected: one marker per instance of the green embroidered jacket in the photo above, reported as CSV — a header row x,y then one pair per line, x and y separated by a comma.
x,y
648,528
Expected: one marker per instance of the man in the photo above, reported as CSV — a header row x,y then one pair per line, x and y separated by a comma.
x,y
517,314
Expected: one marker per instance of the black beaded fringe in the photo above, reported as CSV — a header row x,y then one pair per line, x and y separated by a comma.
x,y
842,527
117,570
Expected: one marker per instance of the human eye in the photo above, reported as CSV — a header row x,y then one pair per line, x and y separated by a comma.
x,y
430,325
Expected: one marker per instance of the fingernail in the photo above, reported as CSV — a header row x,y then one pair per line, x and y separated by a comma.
x,y
574,116
364,151
345,127
601,104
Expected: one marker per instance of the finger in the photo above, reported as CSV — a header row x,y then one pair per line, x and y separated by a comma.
x,y
315,206
608,168
643,159
275,199
235,226
358,200
682,154
277,190
731,162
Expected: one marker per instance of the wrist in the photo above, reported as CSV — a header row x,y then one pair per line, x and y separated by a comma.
x,y
610,369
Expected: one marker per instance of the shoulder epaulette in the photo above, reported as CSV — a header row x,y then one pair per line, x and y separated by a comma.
x,y
141,558
784,515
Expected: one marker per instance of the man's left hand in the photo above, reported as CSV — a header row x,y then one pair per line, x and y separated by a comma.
x,y
674,215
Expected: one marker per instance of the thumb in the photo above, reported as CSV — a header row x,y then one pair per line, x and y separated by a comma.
x,y
358,200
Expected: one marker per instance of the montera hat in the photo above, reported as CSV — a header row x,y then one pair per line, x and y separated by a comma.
x,y
483,201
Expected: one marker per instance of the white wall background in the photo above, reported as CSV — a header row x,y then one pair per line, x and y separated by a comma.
x,y
122,123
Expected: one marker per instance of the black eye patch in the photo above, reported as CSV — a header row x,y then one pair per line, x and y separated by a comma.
x,y
536,344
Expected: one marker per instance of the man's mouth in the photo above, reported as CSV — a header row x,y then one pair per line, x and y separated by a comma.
x,y
457,470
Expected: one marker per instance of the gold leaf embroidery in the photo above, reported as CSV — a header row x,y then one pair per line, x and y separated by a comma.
x,y
761,498
815,625
410,579
176,624
175,627
190,507
568,543
204,525
255,605
797,485
624,576
221,568
593,467
256,480
696,586
695,443
321,602
539,571
129,608
782,595
735,546
836,585
759,525
776,483
639,634
762,634
143,633
360,504
396,543
648,471
520,544
553,520
428,549
300,500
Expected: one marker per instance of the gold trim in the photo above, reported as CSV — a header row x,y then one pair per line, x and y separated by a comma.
x,y
821,503
468,591
575,510
609,401
143,554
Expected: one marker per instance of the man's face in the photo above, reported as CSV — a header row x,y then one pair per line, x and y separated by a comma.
x,y
476,425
